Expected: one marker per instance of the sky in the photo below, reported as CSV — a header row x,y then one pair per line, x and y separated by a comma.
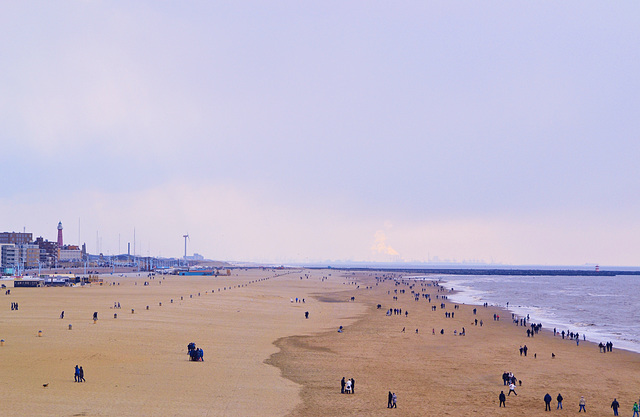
x,y
284,131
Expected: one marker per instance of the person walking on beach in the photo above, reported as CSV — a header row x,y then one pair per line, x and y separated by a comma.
x,y
512,388
615,405
583,404
81,375
353,386
636,409
502,399
342,384
76,374
559,398
390,400
547,402
394,400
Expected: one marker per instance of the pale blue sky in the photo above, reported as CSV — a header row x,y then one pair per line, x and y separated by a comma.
x,y
293,131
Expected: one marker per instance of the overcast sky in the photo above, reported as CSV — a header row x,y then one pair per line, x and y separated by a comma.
x,y
503,131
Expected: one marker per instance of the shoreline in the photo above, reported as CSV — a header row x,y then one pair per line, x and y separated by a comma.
x,y
263,357
596,334
443,375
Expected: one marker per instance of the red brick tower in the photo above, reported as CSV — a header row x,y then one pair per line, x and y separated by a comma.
x,y
60,235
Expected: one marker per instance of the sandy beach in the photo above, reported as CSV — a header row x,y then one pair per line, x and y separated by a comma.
x,y
263,358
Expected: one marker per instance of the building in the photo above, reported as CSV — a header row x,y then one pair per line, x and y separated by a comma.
x,y
20,256
48,251
29,255
28,282
16,238
10,255
69,254
60,244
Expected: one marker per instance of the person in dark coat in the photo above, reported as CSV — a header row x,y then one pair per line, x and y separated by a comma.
x,y
76,375
81,375
342,384
559,398
353,386
390,400
502,399
615,405
547,402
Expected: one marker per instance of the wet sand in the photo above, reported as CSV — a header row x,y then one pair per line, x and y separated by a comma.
x,y
137,364
436,375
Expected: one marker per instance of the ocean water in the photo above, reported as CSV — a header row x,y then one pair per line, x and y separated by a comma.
x,y
602,308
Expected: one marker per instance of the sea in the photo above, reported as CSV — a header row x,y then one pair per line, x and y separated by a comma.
x,y
603,308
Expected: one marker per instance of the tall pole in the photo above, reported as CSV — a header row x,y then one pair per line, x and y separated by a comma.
x,y
185,249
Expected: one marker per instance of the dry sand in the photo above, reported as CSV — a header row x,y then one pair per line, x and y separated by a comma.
x,y
137,364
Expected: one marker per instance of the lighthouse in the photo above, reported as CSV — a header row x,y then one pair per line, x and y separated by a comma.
x,y
60,235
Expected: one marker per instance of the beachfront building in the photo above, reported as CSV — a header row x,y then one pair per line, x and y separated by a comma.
x,y
16,238
20,256
48,252
9,255
69,253
29,255
28,282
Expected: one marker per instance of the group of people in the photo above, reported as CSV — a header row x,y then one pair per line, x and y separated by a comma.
x,y
347,386
396,311
570,335
509,378
582,404
14,306
195,354
392,401
79,374
605,347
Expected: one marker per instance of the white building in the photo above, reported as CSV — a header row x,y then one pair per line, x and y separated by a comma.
x,y
69,255
20,256
10,255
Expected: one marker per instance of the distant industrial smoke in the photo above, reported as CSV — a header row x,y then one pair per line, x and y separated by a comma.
x,y
380,245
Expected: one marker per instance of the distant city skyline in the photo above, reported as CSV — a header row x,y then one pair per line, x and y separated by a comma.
x,y
347,131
